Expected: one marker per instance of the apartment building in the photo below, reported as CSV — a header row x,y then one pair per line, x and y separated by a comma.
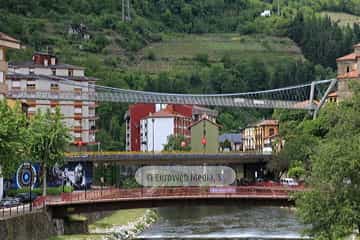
x,y
260,136
42,74
139,111
156,128
6,42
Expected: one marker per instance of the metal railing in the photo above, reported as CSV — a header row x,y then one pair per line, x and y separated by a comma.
x,y
25,208
115,194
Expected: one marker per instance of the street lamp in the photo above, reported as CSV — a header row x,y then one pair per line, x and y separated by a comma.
x,y
153,135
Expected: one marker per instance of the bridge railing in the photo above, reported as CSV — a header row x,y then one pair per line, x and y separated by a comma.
x,y
174,192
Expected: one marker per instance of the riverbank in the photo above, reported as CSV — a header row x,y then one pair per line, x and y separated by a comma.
x,y
121,225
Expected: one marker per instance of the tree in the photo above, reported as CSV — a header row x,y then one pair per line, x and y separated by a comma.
x,y
12,138
331,207
176,143
48,139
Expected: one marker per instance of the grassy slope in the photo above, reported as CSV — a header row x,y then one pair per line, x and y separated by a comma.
x,y
121,217
342,19
176,52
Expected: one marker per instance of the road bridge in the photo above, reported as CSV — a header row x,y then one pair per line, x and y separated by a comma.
x,y
115,199
138,158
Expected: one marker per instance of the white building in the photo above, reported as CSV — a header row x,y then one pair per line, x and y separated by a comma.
x,y
157,127
36,75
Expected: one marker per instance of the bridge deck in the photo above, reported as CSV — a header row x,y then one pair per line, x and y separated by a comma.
x,y
113,199
127,158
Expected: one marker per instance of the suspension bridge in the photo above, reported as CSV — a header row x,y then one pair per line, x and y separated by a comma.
x,y
310,96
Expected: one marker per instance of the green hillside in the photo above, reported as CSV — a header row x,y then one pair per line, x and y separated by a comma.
x,y
197,46
180,52
343,19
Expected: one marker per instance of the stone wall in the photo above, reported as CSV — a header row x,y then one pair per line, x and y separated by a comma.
x,y
32,226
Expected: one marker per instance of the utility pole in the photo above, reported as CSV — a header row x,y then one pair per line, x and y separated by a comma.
x,y
278,7
125,10
128,11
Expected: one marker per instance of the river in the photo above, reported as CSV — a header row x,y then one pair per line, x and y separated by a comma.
x,y
224,222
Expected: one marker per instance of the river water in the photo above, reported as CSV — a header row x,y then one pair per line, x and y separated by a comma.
x,y
224,222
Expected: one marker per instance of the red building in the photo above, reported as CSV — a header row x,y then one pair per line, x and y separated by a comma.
x,y
139,111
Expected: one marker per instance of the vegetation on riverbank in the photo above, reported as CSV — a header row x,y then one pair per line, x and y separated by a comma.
x,y
327,151
122,224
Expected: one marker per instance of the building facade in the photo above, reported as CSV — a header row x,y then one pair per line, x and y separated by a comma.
x,y
156,128
261,136
42,74
204,136
348,69
139,111
5,43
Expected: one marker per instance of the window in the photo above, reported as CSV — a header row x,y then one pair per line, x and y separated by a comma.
x,y
347,69
16,84
53,70
30,86
2,54
78,110
2,77
271,132
54,87
31,71
70,72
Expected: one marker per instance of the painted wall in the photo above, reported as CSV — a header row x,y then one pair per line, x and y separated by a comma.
x,y
212,136
161,127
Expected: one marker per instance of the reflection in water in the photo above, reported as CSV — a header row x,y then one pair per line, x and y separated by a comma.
x,y
224,222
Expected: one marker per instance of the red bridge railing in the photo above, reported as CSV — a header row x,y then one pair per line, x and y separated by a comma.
x,y
174,192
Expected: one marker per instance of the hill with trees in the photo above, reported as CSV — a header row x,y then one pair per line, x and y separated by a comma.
x,y
239,50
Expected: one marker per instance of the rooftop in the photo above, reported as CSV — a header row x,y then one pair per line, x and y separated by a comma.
x,y
204,119
6,37
9,42
31,64
349,57
231,137
269,122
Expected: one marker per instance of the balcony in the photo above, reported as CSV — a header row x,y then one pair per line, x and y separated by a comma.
x,y
77,129
3,88
78,116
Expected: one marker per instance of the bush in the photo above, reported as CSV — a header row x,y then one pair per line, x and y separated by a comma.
x,y
151,56
202,58
38,191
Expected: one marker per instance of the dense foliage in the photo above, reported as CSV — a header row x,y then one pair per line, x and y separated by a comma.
x,y
12,138
321,40
48,139
326,153
115,46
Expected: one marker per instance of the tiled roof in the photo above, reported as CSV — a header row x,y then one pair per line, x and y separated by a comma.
x,y
269,122
16,76
333,94
35,65
164,113
352,74
349,57
5,37
204,119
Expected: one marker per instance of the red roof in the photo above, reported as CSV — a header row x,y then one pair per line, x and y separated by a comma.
x,y
163,114
269,122
333,94
352,74
204,119
5,37
349,57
